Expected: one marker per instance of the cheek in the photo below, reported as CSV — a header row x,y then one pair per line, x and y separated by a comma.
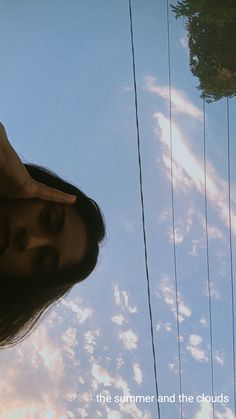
x,y
14,264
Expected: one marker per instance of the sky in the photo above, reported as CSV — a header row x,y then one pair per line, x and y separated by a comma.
x,y
67,103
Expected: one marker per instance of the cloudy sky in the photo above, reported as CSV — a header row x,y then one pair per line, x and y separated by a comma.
x,y
67,102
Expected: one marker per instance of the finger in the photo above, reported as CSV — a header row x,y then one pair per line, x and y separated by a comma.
x,y
50,194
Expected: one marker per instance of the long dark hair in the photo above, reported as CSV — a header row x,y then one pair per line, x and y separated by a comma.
x,y
24,301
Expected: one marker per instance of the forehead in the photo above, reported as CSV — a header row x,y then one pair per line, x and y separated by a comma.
x,y
73,241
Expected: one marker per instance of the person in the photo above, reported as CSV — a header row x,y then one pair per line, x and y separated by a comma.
x,y
50,235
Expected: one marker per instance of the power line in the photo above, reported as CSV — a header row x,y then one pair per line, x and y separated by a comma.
x,y
173,208
230,249
207,255
142,203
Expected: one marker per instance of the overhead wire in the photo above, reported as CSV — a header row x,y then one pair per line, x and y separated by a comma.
x,y
174,225
231,250
142,206
173,209
207,255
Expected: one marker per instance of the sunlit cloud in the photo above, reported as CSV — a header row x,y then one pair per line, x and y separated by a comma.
x,y
104,377
101,375
70,341
179,100
195,348
34,378
188,172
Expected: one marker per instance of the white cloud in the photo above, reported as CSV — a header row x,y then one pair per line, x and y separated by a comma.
x,y
205,411
180,101
82,413
119,362
168,327
195,348
184,42
122,300
118,319
214,232
82,313
70,341
113,414
188,173
214,293
101,375
90,340
219,358
195,243
203,321
129,339
227,414
168,293
138,376
34,384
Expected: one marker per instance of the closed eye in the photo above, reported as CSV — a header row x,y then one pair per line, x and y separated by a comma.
x,y
52,218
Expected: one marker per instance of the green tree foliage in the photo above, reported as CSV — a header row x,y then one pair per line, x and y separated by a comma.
x,y
211,26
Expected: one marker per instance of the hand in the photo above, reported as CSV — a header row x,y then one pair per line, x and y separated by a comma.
x,y
15,181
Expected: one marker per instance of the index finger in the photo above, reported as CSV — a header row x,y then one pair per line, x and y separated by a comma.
x,y
51,194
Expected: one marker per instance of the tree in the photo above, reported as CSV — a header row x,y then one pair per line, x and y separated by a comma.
x,y
211,26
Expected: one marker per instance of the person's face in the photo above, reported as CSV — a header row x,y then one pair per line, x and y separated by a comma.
x,y
43,237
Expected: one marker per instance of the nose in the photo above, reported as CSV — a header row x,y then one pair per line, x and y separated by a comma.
x,y
34,241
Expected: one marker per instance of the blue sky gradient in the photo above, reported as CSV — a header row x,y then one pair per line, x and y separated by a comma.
x,y
67,103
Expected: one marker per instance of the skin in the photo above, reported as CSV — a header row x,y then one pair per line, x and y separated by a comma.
x,y
37,237
15,181
34,211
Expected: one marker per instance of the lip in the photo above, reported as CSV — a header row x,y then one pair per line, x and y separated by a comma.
x,y
4,236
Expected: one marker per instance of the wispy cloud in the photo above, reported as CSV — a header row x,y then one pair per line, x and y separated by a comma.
x,y
188,172
138,376
82,313
180,101
205,411
219,358
90,342
168,294
213,291
184,41
103,376
195,348
122,300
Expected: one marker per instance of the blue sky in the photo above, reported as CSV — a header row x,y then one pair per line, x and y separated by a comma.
x,y
67,103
